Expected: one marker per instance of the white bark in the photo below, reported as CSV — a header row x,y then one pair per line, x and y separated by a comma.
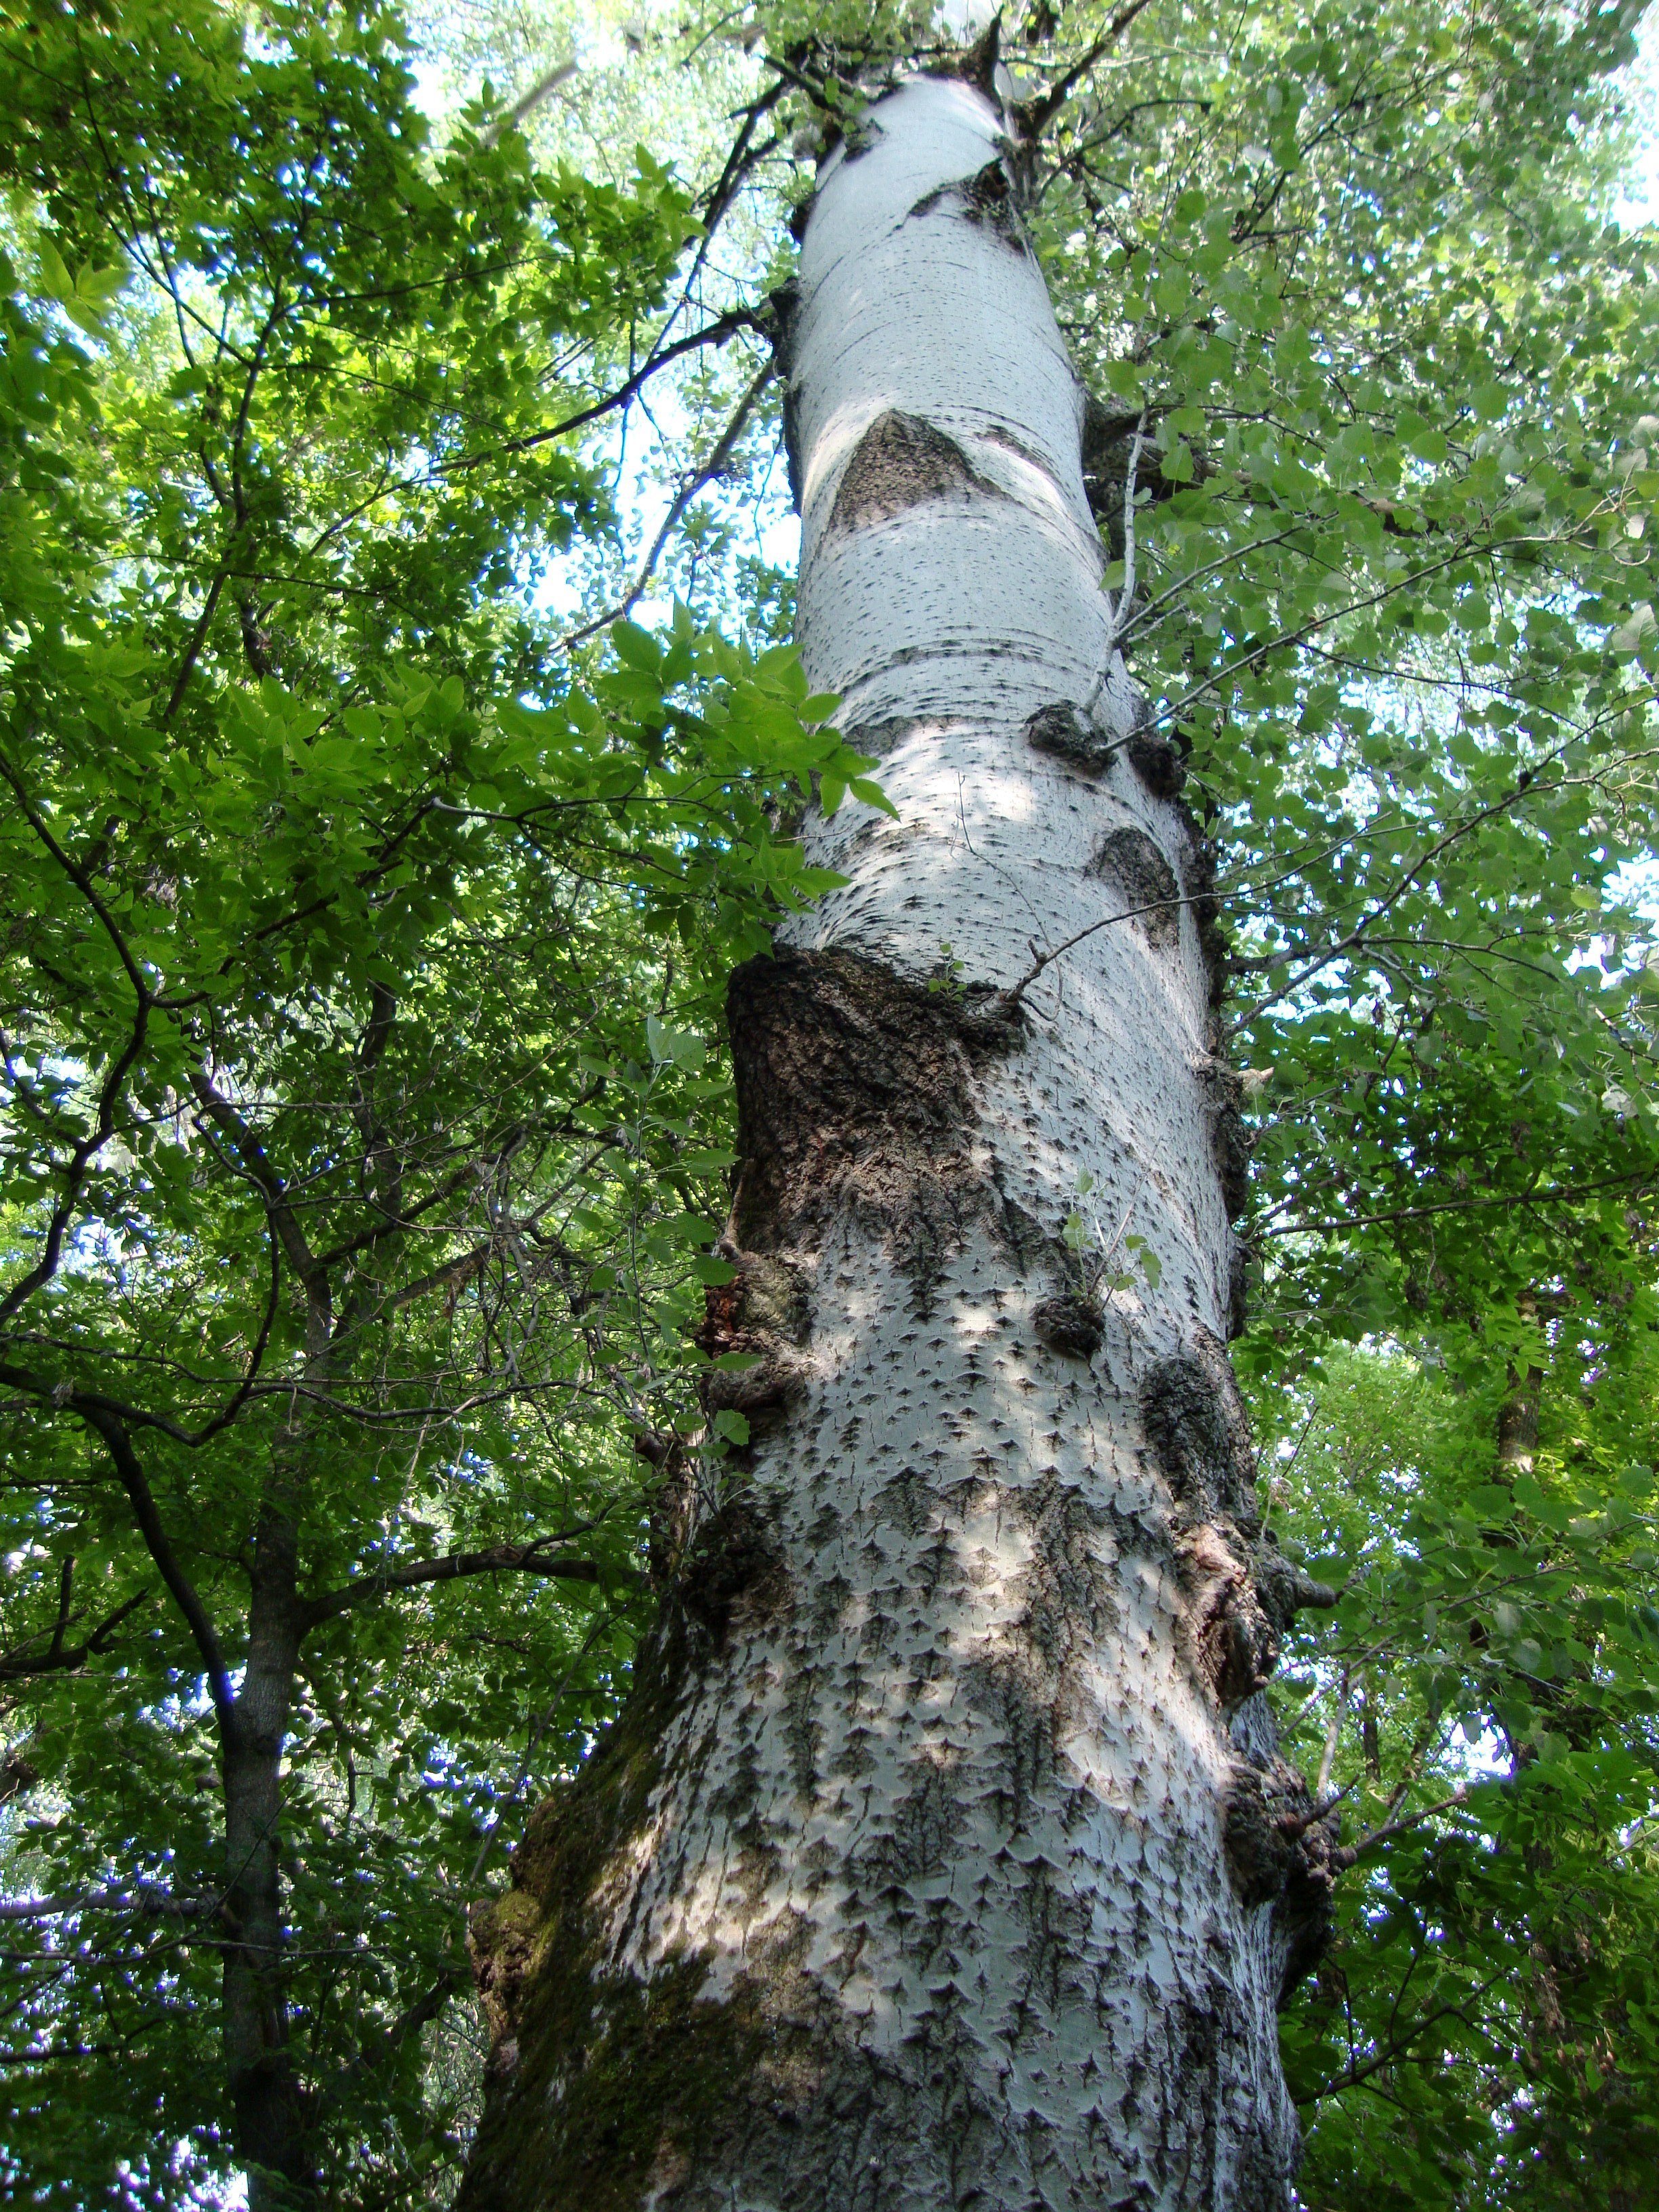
x,y
943,1807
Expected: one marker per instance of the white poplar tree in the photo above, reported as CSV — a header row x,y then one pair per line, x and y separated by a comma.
x,y
944,1856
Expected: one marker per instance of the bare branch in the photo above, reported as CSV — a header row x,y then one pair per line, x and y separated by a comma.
x,y
1043,111
130,1474
544,87
688,491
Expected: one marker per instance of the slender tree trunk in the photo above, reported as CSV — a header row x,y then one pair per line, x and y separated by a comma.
x,y
1518,1417
270,2128
271,2119
944,1856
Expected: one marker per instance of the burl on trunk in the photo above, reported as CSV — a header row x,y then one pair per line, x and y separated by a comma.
x,y
943,1856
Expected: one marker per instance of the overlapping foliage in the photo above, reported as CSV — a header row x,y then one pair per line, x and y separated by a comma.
x,y
358,947
347,900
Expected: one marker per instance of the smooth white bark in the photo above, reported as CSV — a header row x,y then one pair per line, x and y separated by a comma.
x,y
1001,1846
947,1808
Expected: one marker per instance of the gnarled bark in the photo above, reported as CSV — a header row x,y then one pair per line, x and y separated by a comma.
x,y
944,1857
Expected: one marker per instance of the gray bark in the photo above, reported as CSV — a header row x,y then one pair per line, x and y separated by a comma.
x,y
944,1856
271,2131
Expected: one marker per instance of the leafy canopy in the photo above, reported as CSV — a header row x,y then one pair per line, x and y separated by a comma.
x,y
355,1018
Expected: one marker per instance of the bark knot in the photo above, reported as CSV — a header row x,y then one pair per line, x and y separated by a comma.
x,y
1069,1324
1067,734
1198,1431
900,461
986,199
733,1559
856,1089
761,1318
1280,1851
1149,884
1153,757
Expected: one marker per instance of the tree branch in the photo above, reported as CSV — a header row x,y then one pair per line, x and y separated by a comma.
x,y
683,498
131,1477
107,1901
1043,111
81,1157
1398,2048
61,1658
531,1559
251,1155
1635,1183
1349,1853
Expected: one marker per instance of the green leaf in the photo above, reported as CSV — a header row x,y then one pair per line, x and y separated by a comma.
x,y
676,1047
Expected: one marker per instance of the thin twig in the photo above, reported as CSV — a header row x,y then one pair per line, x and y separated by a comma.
x,y
694,483
543,89
1349,1852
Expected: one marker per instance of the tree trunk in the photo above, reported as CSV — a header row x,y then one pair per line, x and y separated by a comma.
x,y
944,1856
270,2121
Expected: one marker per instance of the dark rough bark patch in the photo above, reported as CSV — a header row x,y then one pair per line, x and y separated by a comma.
x,y
1023,1233
733,1559
1213,943
1070,1325
1065,734
1198,1428
672,1499
1233,1146
855,1090
792,442
1146,880
1031,1691
763,1314
1259,1852
780,318
609,2093
986,199
1279,1854
1284,1587
1239,1258
1234,1644
602,2092
1232,1139
859,137
1153,757
976,64
1108,439
1240,1591
632,2095
878,739
538,1956
900,461
1304,1918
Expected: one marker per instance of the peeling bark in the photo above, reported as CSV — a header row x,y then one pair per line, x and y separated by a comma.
x,y
944,1856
